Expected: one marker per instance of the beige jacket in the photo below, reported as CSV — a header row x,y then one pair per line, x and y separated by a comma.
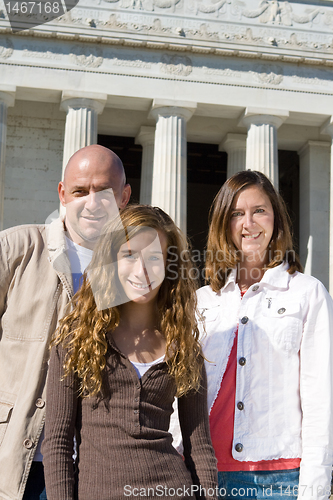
x,y
35,286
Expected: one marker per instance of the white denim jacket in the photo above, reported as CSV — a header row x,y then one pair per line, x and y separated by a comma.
x,y
284,369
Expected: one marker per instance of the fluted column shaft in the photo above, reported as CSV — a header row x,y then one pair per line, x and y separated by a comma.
x,y
146,137
235,146
169,189
6,99
81,121
261,143
314,209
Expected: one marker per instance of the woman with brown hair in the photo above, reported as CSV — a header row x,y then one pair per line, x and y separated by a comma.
x,y
266,332
125,350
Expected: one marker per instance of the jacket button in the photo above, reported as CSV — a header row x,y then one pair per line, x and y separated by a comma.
x,y
239,447
255,288
28,444
240,405
40,403
242,361
136,411
281,310
244,320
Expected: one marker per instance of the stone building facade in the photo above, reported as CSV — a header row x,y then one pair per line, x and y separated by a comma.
x,y
250,79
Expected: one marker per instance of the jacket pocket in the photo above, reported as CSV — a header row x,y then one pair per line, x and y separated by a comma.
x,y
5,414
284,324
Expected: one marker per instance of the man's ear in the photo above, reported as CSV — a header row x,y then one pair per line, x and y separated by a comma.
x,y
126,194
61,192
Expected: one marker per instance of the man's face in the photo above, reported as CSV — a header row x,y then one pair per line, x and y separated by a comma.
x,y
92,192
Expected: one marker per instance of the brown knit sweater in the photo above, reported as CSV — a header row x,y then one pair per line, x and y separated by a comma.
x,y
124,447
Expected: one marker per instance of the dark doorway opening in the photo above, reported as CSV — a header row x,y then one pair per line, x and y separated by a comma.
x,y
131,156
206,172
289,188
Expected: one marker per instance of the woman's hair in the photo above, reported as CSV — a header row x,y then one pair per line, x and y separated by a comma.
x,y
221,254
82,332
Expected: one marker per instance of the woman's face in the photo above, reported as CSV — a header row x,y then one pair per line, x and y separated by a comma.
x,y
141,265
252,223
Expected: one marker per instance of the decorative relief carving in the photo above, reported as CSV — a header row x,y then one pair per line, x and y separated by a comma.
x,y
82,56
6,48
203,33
146,4
176,65
213,8
226,72
274,77
281,13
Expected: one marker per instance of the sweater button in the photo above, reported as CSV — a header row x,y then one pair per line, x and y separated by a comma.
x,y
242,361
240,405
40,403
136,411
239,447
28,444
244,320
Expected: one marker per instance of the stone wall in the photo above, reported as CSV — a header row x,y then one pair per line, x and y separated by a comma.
x,y
35,138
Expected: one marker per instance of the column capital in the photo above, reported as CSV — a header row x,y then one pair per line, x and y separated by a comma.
x,y
7,94
260,116
327,127
233,141
313,144
166,107
74,99
145,135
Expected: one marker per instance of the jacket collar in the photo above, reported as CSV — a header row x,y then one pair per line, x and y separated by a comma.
x,y
56,244
277,277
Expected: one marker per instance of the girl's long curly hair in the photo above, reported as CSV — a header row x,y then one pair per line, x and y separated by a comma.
x,y
93,310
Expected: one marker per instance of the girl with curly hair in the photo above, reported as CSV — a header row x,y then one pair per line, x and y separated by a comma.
x,y
127,347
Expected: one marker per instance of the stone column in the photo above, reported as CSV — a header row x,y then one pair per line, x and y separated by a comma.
x,y
146,137
314,209
82,109
327,129
7,98
170,162
235,146
261,143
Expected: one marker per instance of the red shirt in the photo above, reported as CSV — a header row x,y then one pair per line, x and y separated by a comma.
x,y
222,426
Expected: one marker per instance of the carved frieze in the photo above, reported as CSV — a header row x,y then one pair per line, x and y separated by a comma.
x,y
281,13
213,8
85,57
6,48
176,65
262,74
148,5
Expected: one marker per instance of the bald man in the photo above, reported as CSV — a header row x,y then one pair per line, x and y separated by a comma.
x,y
40,267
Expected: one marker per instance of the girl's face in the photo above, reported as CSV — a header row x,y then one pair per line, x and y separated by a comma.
x,y
141,265
252,223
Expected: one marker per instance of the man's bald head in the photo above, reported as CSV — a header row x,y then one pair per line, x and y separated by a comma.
x,y
92,177
97,155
